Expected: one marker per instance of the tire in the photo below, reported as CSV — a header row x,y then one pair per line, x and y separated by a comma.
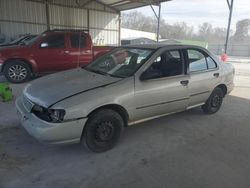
x,y
214,102
103,130
17,71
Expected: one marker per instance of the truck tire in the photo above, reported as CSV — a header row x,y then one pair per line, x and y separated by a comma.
x,y
17,71
103,130
214,101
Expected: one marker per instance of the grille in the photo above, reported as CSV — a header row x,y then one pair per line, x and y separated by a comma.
x,y
27,104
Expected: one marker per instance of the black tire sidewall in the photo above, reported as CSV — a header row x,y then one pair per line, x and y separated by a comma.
x,y
89,130
208,108
17,62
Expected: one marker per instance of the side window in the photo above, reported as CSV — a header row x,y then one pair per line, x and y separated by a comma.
x,y
210,63
167,64
53,41
197,61
77,40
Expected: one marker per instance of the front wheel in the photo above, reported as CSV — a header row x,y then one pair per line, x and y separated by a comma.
x,y
214,102
102,130
17,71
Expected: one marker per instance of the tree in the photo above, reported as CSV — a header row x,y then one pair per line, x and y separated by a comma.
x,y
242,31
181,30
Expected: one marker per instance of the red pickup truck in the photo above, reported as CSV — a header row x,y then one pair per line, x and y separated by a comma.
x,y
52,51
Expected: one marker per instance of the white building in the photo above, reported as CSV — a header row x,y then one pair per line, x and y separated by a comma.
x,y
131,33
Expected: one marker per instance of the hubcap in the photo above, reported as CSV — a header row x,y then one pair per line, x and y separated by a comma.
x,y
17,72
104,131
215,101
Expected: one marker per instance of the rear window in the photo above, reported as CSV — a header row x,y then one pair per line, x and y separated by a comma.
x,y
77,40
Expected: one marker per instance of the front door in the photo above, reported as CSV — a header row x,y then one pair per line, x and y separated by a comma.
x,y
163,87
52,54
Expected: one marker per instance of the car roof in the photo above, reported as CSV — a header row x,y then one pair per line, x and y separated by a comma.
x,y
160,45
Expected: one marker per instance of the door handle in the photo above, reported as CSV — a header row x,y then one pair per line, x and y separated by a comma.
x,y
184,82
216,75
66,51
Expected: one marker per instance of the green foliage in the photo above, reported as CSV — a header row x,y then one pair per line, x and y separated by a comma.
x,y
5,92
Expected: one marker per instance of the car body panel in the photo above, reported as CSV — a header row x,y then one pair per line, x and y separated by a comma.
x,y
175,100
80,92
19,41
44,60
63,85
53,133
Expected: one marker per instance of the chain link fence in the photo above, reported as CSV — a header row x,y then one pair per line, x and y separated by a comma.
x,y
232,50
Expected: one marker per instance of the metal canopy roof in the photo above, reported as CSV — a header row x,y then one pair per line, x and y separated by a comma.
x,y
119,5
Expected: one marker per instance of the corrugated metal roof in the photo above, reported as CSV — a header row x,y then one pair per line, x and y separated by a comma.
x,y
108,5
129,4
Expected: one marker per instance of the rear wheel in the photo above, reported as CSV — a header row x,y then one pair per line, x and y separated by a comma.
x,y
17,71
214,102
102,130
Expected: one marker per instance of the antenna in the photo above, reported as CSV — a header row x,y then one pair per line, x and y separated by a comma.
x,y
79,50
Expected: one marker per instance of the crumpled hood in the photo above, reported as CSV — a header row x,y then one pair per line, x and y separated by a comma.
x,y
48,90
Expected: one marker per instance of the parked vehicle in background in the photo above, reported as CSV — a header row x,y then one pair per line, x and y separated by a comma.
x,y
129,85
23,40
52,51
134,41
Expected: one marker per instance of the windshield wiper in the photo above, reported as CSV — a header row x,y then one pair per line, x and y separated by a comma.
x,y
95,71
116,76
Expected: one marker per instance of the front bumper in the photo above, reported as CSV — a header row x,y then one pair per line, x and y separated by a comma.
x,y
52,133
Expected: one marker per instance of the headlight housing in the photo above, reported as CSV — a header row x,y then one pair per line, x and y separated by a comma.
x,y
49,115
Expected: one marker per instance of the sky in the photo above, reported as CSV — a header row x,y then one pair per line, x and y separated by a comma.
x,y
195,12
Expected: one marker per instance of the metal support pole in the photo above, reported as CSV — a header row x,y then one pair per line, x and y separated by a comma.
x,y
158,24
119,32
47,15
158,17
230,6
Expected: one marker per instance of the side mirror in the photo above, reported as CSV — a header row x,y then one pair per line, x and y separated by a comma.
x,y
44,45
152,74
145,76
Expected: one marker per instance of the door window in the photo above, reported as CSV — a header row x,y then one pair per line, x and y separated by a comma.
x,y
53,41
199,61
211,63
167,64
77,40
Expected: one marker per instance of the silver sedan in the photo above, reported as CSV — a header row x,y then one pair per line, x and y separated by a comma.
x,y
129,85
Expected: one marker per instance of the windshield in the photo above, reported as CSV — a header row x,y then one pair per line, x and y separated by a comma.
x,y
17,40
30,40
122,62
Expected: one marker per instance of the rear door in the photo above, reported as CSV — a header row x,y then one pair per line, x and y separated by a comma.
x,y
80,50
204,75
163,87
51,53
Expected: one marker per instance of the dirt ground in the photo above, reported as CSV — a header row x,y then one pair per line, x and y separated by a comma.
x,y
187,149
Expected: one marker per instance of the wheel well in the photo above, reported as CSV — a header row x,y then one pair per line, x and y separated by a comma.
x,y
119,109
223,87
23,60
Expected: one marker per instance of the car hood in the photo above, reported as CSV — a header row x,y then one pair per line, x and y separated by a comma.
x,y
51,89
12,47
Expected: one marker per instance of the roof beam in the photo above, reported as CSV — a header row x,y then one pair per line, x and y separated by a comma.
x,y
106,5
118,2
147,2
84,4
